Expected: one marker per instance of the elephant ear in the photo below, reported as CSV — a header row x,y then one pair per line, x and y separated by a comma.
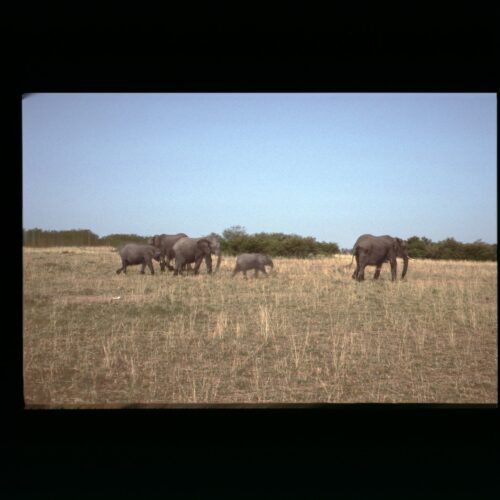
x,y
204,245
400,247
400,243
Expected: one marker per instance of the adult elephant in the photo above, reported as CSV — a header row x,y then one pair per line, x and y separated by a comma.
x,y
372,250
247,261
135,253
188,250
165,243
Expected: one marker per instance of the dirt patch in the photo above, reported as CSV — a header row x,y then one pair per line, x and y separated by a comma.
x,y
87,299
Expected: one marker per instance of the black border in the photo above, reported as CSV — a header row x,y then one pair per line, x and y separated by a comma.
x,y
403,449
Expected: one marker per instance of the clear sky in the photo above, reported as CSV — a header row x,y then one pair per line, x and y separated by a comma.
x,y
328,165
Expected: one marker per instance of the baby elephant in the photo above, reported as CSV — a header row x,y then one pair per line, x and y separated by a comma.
x,y
256,261
134,253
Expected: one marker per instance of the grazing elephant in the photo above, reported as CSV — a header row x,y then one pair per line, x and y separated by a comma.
x,y
189,250
375,250
134,253
256,261
165,243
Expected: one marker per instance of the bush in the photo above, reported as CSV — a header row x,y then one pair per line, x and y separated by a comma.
x,y
236,241
74,237
450,249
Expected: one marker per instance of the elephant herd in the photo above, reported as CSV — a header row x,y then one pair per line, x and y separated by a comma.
x,y
164,248
185,251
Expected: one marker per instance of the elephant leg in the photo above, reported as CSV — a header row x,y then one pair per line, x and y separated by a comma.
x,y
394,269
360,276
150,265
245,275
356,270
263,269
256,273
143,266
377,272
197,264
208,262
179,264
118,271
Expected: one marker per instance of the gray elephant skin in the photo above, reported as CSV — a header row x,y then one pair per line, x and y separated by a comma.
x,y
247,261
133,254
188,250
372,250
165,243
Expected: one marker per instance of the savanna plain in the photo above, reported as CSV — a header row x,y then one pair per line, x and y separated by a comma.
x,y
307,333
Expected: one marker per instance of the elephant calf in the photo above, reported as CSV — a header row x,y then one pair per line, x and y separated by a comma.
x,y
134,253
256,261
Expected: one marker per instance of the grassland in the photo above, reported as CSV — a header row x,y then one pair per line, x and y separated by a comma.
x,y
306,334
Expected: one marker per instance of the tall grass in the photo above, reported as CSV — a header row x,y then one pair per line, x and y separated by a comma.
x,y
307,333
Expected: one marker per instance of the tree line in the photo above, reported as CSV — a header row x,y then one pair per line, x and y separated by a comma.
x,y
450,249
235,240
76,237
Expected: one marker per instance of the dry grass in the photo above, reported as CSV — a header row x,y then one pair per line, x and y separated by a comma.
x,y
308,333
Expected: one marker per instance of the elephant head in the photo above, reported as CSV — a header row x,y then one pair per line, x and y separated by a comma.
x,y
267,261
215,250
401,248
157,255
154,240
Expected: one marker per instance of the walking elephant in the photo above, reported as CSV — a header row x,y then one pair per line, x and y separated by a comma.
x,y
188,250
247,261
375,250
165,243
134,253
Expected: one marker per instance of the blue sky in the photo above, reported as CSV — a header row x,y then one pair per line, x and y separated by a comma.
x,y
328,165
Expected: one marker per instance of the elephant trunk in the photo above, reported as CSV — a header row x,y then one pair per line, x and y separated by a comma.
x,y
405,267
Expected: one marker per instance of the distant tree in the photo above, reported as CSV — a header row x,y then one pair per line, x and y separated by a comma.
x,y
234,232
480,251
418,248
214,235
329,248
118,240
73,237
450,249
237,241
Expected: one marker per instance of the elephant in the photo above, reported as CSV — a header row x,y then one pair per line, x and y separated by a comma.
x,y
188,250
134,253
165,242
256,261
375,250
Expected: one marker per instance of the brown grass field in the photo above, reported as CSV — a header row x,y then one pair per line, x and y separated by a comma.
x,y
306,334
